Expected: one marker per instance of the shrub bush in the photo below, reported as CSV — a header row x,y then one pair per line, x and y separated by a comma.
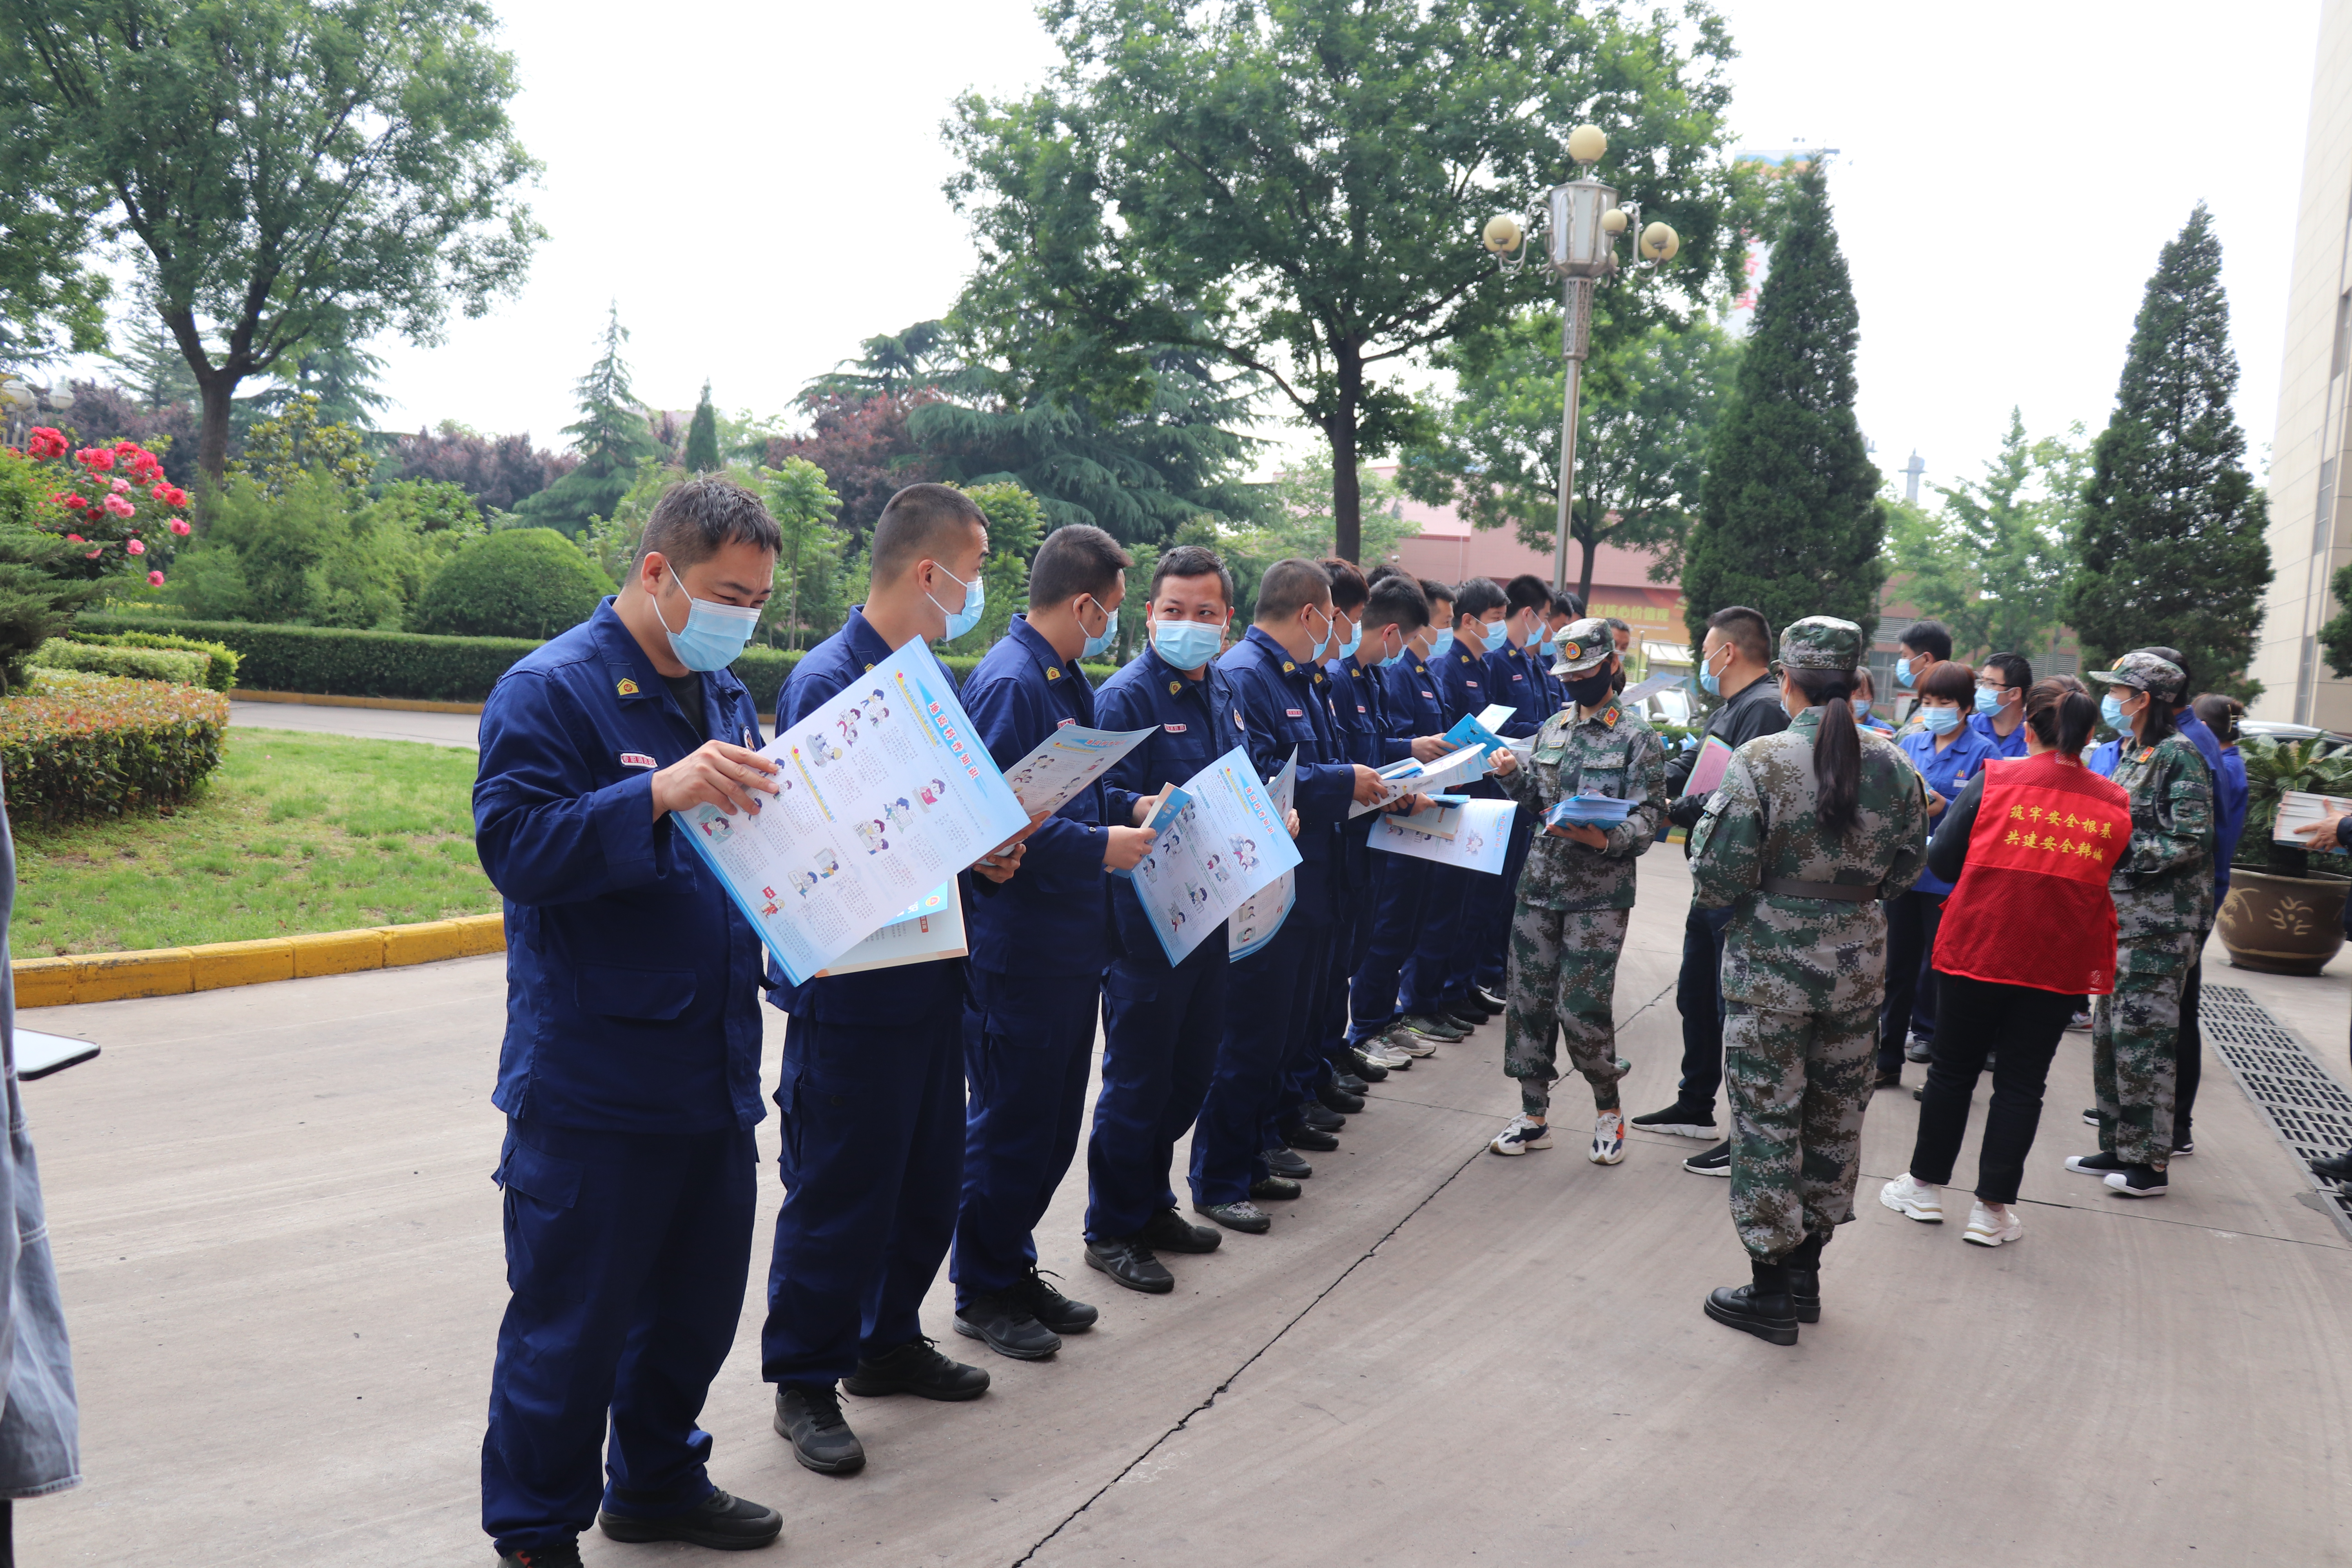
x,y
517,582
174,666
220,659
332,661
80,745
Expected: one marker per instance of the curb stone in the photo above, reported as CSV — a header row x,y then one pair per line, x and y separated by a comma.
x,y
176,971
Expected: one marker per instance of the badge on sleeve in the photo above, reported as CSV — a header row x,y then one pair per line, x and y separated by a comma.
x,y
635,759
627,688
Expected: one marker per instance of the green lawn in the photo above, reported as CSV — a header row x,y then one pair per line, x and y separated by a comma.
x,y
293,833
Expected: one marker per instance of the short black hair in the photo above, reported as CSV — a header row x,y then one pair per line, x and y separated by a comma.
x,y
1950,680
1567,603
1931,638
1478,595
1617,625
2015,672
1077,558
1396,601
1380,573
695,519
1527,592
1348,586
1192,560
1288,586
1746,630
917,523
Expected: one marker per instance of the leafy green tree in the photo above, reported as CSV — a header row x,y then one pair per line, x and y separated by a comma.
x,y
1295,190
341,376
2335,635
153,369
891,366
315,554
516,583
1647,406
611,437
702,437
1993,563
52,302
298,442
1789,520
1016,526
2171,551
808,596
298,173
1298,521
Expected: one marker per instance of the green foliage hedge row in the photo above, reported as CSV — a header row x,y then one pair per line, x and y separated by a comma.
x,y
220,659
80,745
174,666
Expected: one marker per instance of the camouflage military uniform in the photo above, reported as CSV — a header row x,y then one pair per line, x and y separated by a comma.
x,y
2163,887
1803,974
1574,900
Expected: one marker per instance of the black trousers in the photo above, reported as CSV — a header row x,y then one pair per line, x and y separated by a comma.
x,y
1698,996
2023,1026
2188,1050
1910,1006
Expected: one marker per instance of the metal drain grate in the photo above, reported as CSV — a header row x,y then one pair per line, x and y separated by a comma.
x,y
2306,1108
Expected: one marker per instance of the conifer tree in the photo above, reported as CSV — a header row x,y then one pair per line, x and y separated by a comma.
x,y
702,437
611,436
1789,520
2170,551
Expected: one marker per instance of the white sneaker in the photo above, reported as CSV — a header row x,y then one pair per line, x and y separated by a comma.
x,y
1608,1138
1915,1199
1524,1134
1403,1039
1989,1229
1387,1052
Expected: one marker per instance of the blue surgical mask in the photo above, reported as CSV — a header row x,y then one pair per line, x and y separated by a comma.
x,y
1473,642
1548,648
1902,672
975,599
1987,701
1187,645
1402,648
1708,680
1330,626
1439,644
714,634
1940,721
1355,640
2111,709
1095,644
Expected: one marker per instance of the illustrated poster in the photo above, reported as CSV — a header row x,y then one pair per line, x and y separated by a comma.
x,y
1481,835
1066,762
1409,777
1228,843
1253,925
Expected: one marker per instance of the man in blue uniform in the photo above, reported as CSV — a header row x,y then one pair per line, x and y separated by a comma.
x,y
630,1071
871,1089
2003,681
1462,902
1273,672
1039,944
1420,693
1515,674
1161,1023
1395,634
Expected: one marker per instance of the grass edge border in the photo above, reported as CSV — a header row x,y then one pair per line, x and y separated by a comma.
x,y
214,966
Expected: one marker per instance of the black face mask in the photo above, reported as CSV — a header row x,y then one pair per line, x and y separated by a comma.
x,y
1589,689
1617,681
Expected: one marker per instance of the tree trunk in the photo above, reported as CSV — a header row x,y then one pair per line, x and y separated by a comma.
x,y
1347,494
211,434
1584,577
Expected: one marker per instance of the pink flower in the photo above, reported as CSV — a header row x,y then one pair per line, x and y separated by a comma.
x,y
119,507
75,539
136,546
121,486
94,554
179,525
74,503
96,458
46,443
154,578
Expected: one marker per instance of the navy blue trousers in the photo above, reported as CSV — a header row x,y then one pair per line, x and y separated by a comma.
x,y
1401,895
1268,996
1028,1041
1429,975
1494,944
1910,1006
626,1258
1161,1028
873,1154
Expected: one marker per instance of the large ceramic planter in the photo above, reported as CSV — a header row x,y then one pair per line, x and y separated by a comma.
x,y
2283,925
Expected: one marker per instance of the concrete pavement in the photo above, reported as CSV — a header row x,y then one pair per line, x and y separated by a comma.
x,y
280,1257
376,723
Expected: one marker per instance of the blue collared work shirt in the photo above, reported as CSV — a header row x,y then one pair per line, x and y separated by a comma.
x,y
2012,746
1285,707
1947,773
1194,723
633,981
1515,674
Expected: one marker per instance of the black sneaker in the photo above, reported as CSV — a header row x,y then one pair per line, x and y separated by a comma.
x,y
1005,1324
1362,1068
565,1555
2094,1164
1320,1117
2137,1182
1888,1078
1342,1079
720,1522
1129,1261
1307,1138
1429,1026
808,1418
1681,1120
1244,1216
1286,1163
1496,1005
2333,1167
1169,1231
1337,1100
1053,1308
1463,1017
2091,1115
2185,1148
1274,1189
916,1367
1715,1162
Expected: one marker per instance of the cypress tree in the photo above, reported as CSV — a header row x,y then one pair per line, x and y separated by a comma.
x,y
611,437
2171,549
702,437
1789,520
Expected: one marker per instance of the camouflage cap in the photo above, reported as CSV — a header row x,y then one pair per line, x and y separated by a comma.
x,y
1821,642
2144,671
1584,645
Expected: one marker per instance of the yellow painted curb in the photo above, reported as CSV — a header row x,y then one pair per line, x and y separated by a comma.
x,y
175,970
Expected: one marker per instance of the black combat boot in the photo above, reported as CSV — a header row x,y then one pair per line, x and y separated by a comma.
x,y
1804,1267
1761,1309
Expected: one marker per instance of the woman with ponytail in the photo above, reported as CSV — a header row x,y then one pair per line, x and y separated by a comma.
x,y
1808,832
2029,929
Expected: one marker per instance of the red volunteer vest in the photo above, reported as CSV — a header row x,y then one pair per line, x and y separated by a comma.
x,y
2031,906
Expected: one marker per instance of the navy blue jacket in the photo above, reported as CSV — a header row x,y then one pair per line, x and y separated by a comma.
x,y
1515,674
877,998
1284,706
633,981
1197,722
1050,918
1360,712
1463,689
2013,746
1415,708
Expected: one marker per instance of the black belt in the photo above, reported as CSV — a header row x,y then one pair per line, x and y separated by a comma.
x,y
1836,892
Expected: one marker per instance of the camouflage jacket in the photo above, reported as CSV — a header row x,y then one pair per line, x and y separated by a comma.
x,y
2163,880
1794,954
1613,753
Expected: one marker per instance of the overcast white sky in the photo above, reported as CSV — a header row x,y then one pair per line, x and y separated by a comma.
x,y
758,185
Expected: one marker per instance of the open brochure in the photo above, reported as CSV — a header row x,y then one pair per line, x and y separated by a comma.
x,y
932,929
1472,732
1479,843
2301,808
1253,924
1590,810
885,791
1065,763
1409,777
1226,842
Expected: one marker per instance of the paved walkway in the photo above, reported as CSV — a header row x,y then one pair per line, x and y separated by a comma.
x,y
280,1254
377,723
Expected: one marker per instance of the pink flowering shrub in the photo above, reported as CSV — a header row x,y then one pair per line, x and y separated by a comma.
x,y
113,503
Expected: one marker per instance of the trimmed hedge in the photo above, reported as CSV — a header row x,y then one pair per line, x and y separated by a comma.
x,y
175,666
80,745
519,581
220,659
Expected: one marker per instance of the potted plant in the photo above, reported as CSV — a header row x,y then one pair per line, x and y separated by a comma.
x,y
2285,915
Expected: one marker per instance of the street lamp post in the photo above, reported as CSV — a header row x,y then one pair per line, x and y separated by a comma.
x,y
1583,220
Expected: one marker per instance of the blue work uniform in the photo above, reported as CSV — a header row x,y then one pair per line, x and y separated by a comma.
x,y
1517,676
871,1091
1359,724
1380,992
630,1078
1039,945
1458,913
2012,745
1272,990
1162,1024
1912,918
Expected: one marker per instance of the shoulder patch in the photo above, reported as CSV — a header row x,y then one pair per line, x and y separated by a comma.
x,y
1174,687
1053,673
627,688
1288,667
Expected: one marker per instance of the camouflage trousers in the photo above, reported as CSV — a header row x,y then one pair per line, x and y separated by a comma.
x,y
1563,977
2134,1034
1799,1083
